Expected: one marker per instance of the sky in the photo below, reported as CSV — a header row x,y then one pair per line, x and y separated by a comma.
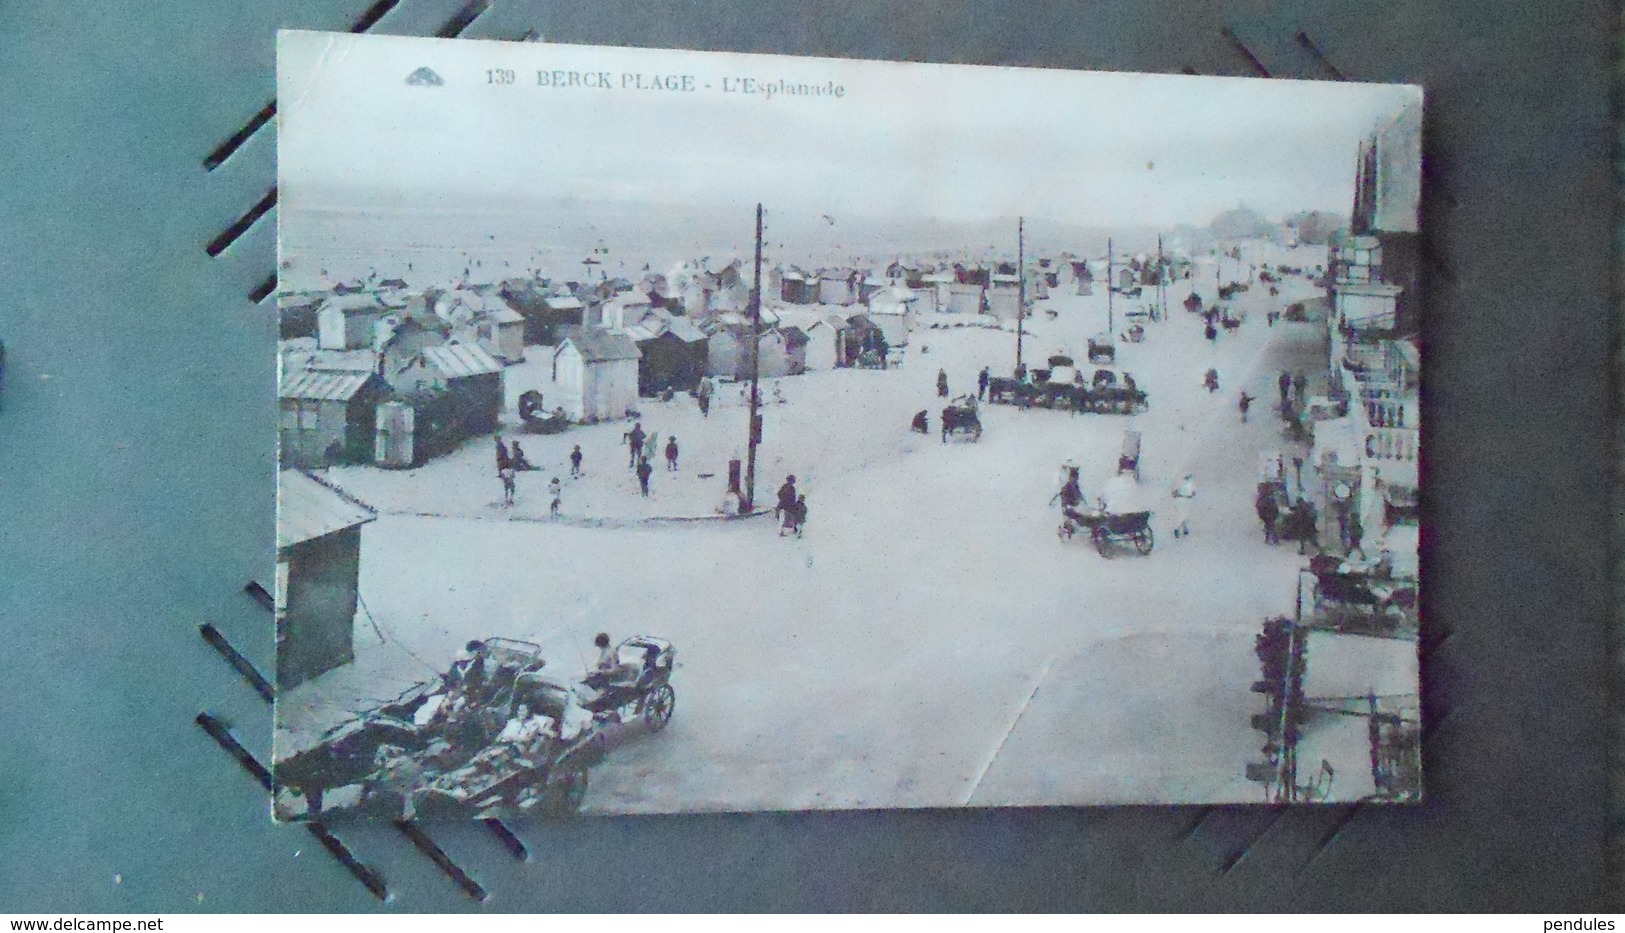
x,y
957,143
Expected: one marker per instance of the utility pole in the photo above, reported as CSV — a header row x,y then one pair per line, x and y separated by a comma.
x,y
1021,287
1111,286
755,372
1162,282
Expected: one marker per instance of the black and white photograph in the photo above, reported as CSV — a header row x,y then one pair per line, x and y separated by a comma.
x,y
671,431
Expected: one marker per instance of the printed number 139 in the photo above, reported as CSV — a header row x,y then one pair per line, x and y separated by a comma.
x,y
499,76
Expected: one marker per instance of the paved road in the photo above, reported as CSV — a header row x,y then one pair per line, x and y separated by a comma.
x,y
930,642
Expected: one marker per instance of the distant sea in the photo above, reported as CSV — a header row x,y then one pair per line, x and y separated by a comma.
x,y
443,246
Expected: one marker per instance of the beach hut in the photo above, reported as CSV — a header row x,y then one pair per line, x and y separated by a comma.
x,y
318,566
796,288
672,354
456,390
837,287
502,332
624,310
859,334
345,322
472,378
892,310
728,346
399,339
963,298
595,374
326,416
824,344
794,345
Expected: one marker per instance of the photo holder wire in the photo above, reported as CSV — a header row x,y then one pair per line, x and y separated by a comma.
x,y
216,728
369,877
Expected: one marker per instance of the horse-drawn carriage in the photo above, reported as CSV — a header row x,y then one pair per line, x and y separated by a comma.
x,y
1009,390
960,417
1108,392
493,734
536,418
1361,599
1106,529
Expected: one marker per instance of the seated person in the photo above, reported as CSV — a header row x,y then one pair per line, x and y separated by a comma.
x,y
523,728
610,671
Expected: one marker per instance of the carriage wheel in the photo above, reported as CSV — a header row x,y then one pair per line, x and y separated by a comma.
x,y
1103,542
657,707
1143,541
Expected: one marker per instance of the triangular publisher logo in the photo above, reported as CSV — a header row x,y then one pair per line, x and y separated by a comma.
x,y
425,77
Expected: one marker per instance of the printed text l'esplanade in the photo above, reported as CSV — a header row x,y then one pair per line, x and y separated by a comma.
x,y
781,87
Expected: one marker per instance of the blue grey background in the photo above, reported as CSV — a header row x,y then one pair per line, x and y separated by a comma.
x,y
136,491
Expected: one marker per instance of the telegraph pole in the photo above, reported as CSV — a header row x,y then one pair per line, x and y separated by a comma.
x,y
1111,286
755,371
1162,281
1021,286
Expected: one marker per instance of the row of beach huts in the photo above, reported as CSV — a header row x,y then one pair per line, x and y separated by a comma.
x,y
379,372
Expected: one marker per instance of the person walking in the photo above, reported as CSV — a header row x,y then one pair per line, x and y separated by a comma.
x,y
503,458
651,447
1284,383
1269,512
634,443
644,472
981,383
575,461
787,518
671,454
787,496
1211,332
1183,496
1244,403
703,396
1299,385
506,475
801,514
517,457
1304,518
554,490
942,383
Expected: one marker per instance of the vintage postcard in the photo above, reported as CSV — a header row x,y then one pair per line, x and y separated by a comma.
x,y
671,431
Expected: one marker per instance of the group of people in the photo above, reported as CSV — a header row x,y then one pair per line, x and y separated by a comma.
x,y
642,448
1286,520
1294,390
511,460
1120,496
